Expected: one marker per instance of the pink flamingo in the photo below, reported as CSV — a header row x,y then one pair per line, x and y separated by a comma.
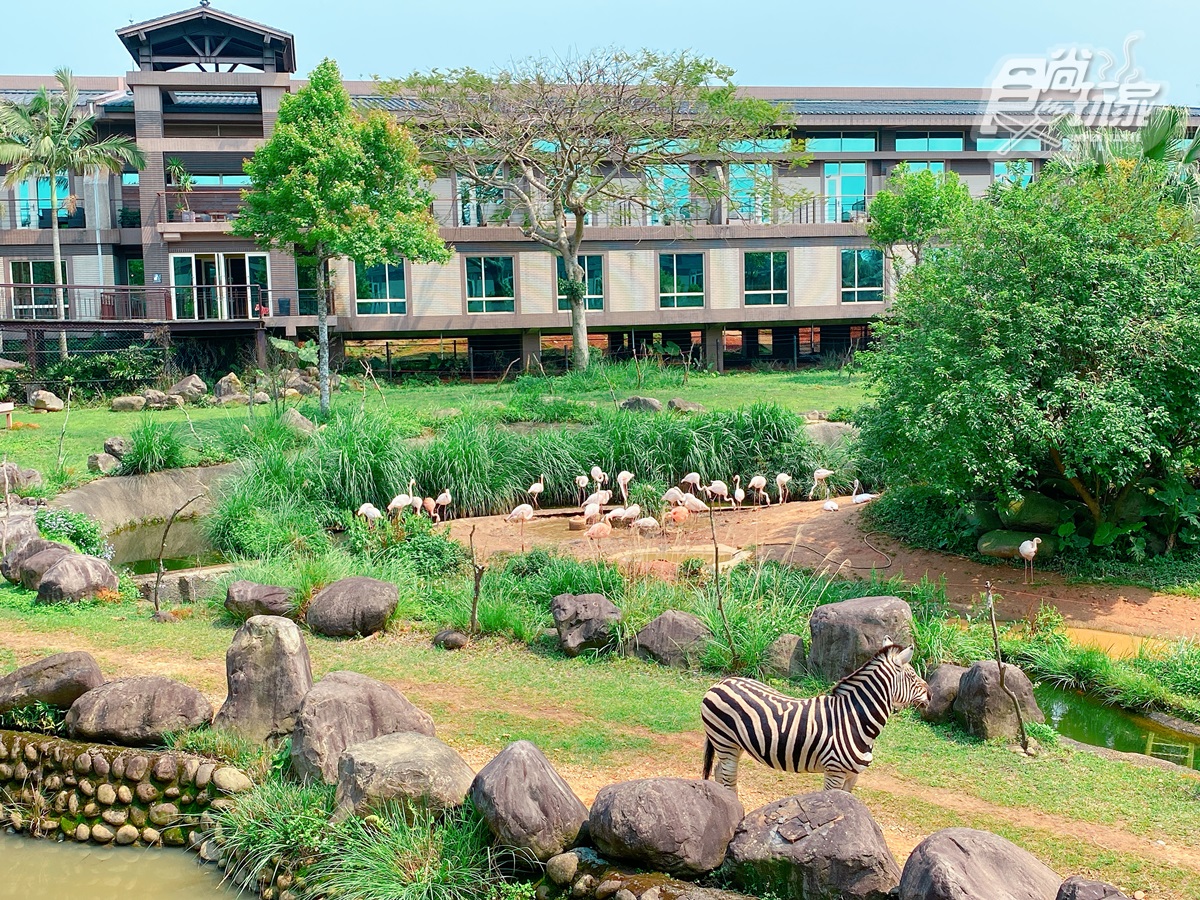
x,y
623,479
443,501
717,489
581,483
781,482
521,514
430,507
738,494
758,484
370,512
599,532
692,480
535,489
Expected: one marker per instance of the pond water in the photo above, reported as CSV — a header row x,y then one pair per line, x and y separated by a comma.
x,y
136,549
70,871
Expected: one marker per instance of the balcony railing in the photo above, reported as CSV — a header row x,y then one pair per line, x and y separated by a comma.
x,y
85,302
203,205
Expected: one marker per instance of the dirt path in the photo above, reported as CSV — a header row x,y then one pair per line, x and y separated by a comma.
x,y
807,535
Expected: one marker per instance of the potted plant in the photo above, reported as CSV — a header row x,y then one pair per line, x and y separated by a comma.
x,y
183,181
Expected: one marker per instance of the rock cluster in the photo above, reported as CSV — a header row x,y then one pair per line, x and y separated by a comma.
x,y
57,572
584,622
188,390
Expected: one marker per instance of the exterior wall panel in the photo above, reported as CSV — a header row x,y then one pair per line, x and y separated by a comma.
x,y
816,279
539,294
723,277
634,278
435,290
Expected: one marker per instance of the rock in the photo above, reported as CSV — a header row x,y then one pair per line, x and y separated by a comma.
x,y
10,567
344,709
45,400
964,864
449,639
17,529
191,388
268,673
102,834
229,780
676,825
681,405
117,446
785,657
1006,544
172,401
297,423
561,869
163,813
642,404
151,836
127,404
244,599
155,399
35,566
301,387
126,835
584,622
674,639
1032,511
137,711
943,690
985,710
526,803
106,794
1079,888
414,770
450,412
103,463
829,434
261,397
823,844
234,400
75,577
352,606
20,479
228,387
846,634
57,680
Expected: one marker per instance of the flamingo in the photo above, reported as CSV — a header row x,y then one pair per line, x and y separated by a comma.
x,y
400,503
863,497
646,523
819,476
599,477
443,500
599,497
632,513
738,494
674,496
430,507
535,489
781,482
617,512
370,512
692,480
694,504
591,511
581,483
830,506
623,479
679,515
599,532
1029,551
718,489
521,514
417,503
758,484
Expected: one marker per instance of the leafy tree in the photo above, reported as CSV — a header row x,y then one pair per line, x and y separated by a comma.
x,y
332,183
557,139
51,135
1051,344
915,210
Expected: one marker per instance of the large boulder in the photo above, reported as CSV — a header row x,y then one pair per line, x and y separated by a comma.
x,y
1079,888
1032,511
10,566
228,386
297,422
675,825
642,404
75,577
584,621
985,710
35,566
57,680
965,864
46,401
785,657
17,529
191,388
268,673
414,770
244,599
674,638
829,434
847,634
137,711
128,403
20,478
104,463
1004,544
527,805
117,446
344,709
352,606
943,690
680,405
823,846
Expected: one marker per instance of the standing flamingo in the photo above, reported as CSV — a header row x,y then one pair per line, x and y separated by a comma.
x,y
679,515
632,512
819,478
430,507
521,514
718,489
369,512
692,480
623,479
581,483
781,482
417,504
600,497
644,524
591,511
738,494
443,501
674,496
535,489
598,532
401,502
1029,551
694,504
599,477
758,484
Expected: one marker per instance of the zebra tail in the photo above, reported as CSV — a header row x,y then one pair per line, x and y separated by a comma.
x,y
709,753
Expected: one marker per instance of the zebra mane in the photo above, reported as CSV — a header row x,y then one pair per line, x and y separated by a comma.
x,y
844,686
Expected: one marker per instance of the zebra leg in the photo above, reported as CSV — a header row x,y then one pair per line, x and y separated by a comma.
x,y
851,780
726,772
836,781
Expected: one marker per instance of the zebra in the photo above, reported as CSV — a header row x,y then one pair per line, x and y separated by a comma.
x,y
832,733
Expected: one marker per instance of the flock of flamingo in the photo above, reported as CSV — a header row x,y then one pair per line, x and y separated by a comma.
x,y
434,507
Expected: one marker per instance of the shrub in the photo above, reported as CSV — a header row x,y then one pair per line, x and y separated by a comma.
x,y
154,445
78,529
39,717
923,517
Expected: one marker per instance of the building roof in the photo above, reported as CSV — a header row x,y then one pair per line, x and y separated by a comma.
x,y
208,37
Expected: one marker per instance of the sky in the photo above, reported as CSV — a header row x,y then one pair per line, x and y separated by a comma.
x,y
858,43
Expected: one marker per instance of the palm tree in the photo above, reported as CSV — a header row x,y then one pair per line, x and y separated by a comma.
x,y
53,134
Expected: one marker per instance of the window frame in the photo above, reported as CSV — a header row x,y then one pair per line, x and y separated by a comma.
x,y
929,138
873,136
836,209
37,295
592,302
394,306
774,291
852,293
924,165
675,295
1000,171
487,305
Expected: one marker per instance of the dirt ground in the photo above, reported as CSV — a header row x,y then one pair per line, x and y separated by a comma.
x,y
804,533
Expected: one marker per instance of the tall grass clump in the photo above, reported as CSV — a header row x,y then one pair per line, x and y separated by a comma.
x,y
261,434
272,508
154,445
356,458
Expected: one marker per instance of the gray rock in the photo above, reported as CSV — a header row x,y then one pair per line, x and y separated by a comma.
x,y
137,711
561,869
234,400
228,387
1079,888
244,599
642,404
676,825
46,400
296,422
1032,511
943,690
352,606
117,446
414,770
19,478
103,463
191,388
674,639
819,845
682,405
75,577
155,399
449,639
268,673
785,657
172,401
16,530
35,566
127,404
584,622
964,864
11,565
847,634
985,710
829,434
344,709
57,680
261,397
526,803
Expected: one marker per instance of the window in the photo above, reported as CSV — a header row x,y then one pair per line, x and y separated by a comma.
x,y
480,204
750,191
929,141
220,285
593,273
37,302
379,290
938,168
766,278
232,179
490,285
680,280
1015,171
1008,143
845,190
862,275
669,188
131,179
841,142
761,145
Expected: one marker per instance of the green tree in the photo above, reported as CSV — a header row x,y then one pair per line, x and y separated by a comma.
x,y
915,210
51,135
554,140
331,183
1051,344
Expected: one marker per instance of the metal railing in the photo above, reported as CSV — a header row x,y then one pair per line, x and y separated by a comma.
x,y
85,302
36,214
201,205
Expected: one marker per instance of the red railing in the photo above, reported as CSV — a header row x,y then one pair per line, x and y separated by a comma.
x,y
85,302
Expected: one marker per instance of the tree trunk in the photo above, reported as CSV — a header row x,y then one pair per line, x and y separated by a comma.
x,y
581,353
59,298
322,333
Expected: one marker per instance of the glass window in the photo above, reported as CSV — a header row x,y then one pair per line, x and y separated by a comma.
x,y
593,273
37,302
380,290
862,275
923,166
766,278
929,141
238,180
131,178
206,180
490,285
845,190
762,145
841,142
182,280
670,190
1008,143
750,191
680,280
1016,171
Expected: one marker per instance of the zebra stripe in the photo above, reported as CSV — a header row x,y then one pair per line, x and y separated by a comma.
x,y
833,733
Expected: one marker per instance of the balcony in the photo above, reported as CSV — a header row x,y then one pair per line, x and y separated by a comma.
x,y
85,303
214,208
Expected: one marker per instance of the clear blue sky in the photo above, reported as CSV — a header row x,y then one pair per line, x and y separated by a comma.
x,y
860,42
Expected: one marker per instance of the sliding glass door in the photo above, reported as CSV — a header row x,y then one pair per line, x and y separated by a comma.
x,y
219,285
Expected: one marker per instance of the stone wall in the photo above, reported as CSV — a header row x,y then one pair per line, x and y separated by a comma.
x,y
109,794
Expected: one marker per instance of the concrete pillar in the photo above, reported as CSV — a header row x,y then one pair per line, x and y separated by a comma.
x,y
531,349
714,347
750,344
